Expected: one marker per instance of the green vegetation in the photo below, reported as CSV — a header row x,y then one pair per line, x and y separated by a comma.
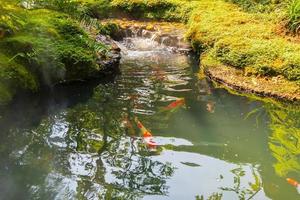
x,y
294,16
287,11
230,36
260,5
78,9
57,47
242,40
45,44
169,10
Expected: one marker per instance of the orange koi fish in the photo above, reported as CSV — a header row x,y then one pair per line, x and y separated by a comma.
x,y
144,131
146,134
294,183
175,104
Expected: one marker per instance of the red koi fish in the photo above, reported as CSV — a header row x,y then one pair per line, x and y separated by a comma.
x,y
175,104
146,134
294,183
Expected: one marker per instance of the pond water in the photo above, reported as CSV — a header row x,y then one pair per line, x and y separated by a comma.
x,y
82,141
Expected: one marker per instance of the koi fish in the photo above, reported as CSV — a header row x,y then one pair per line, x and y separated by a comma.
x,y
175,104
147,136
151,144
144,131
294,183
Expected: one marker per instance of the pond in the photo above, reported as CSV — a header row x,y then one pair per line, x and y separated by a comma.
x,y
82,141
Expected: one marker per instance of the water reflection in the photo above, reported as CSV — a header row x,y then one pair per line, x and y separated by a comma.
x,y
284,140
217,146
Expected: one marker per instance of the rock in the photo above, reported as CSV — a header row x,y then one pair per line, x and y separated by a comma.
x,y
112,60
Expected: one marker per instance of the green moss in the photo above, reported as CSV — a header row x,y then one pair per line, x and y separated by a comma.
x,y
49,45
293,16
14,77
170,10
79,62
260,5
98,8
243,40
109,29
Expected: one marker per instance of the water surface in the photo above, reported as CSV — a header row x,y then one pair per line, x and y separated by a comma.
x,y
83,143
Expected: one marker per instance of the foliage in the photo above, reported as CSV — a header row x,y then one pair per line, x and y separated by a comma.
x,y
77,9
170,10
229,35
291,9
69,53
294,16
242,40
259,5
13,76
109,28
51,48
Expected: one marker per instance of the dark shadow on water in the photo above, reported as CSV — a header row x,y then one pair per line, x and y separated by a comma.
x,y
27,109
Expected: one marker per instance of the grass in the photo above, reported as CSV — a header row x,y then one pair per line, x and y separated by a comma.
x,y
260,5
243,40
294,16
289,9
167,10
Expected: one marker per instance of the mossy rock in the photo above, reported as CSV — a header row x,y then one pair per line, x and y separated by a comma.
x,y
45,47
14,77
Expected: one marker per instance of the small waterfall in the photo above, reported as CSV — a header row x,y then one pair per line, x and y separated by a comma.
x,y
142,42
155,36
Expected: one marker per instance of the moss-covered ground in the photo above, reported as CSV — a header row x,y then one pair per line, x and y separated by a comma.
x,y
43,46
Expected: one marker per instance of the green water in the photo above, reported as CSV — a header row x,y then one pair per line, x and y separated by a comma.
x,y
81,141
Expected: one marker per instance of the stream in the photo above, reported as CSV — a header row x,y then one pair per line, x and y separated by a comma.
x,y
83,141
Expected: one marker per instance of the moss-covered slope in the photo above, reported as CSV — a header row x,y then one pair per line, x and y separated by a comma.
x,y
42,47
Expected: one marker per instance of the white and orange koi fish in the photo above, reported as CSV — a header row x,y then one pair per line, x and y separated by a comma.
x,y
294,183
147,136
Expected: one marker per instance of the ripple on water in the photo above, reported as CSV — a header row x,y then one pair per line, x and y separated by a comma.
x,y
154,73
93,149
